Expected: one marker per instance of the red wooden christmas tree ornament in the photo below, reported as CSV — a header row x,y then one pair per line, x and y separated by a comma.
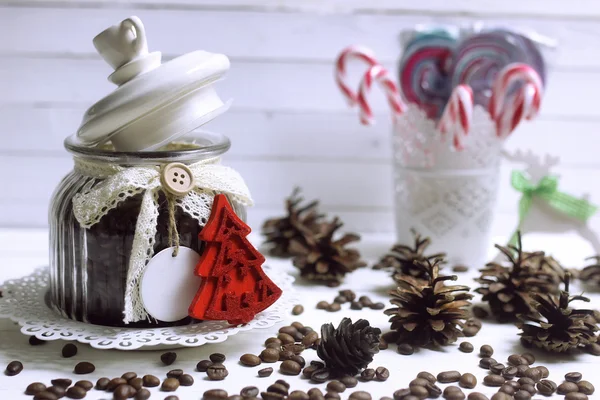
x,y
234,286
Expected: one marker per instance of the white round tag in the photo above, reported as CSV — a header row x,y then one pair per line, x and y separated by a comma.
x,y
169,285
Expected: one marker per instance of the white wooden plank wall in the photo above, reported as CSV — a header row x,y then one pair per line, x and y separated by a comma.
x,y
289,125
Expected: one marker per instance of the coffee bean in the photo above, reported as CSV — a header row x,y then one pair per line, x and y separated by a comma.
x,y
215,394
349,381
300,360
529,388
295,348
142,394
340,299
526,381
576,396
533,373
102,383
360,395
487,362
310,339
426,375
280,386
150,381
123,392
383,344
203,365
448,376
382,374
459,395
186,380
522,395
586,387
573,377
114,383
298,395
45,395
493,380
486,351
336,386
368,374
521,369
418,382
467,381
529,357
249,391
130,375
14,368
466,347
34,388
501,396
322,305
433,390
377,306
516,359
289,367
334,307
84,367
285,355
267,355
405,349
451,389
314,392
285,338
76,392
217,358
320,375
593,349
355,305
298,309
470,331
58,391
509,372
497,368
174,373
332,396
419,391
308,371
272,396
272,340
235,397
477,396
400,394
508,389
217,372
85,385
250,360
69,350
173,397
169,385
263,373
168,358
546,387
136,383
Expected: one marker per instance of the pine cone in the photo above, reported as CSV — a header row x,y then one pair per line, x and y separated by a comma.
x,y
555,326
401,259
349,348
591,273
429,312
280,232
508,288
546,263
323,259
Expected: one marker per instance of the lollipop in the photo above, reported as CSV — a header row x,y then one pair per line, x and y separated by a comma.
x,y
478,59
423,70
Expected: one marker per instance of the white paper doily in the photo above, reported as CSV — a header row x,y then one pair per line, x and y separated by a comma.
x,y
23,302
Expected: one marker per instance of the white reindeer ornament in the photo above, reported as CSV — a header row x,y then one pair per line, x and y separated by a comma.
x,y
543,207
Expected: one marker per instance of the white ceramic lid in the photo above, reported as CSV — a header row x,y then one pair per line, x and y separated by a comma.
x,y
155,103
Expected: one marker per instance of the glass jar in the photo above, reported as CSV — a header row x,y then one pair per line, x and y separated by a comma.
x,y
89,266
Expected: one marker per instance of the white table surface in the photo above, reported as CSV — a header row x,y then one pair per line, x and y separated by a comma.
x,y
23,250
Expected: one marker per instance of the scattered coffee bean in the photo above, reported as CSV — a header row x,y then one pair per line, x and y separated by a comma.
x,y
136,383
250,360
546,387
235,397
203,365
334,307
298,309
480,312
310,338
14,368
69,350
332,396
355,305
173,397
168,358
150,381
322,305
497,368
405,349
58,391
460,268
377,306
142,394
360,395
418,382
508,389
279,386
368,374
419,391
383,345
428,376
486,351
456,396
215,394
289,367
466,347
382,374
340,299
522,395
263,373
285,338
467,381
130,375
336,386
249,391
217,372
174,373
298,395
320,375
573,377
471,331
567,387
509,372
487,362
102,383
34,341
529,388
501,396
85,385
529,357
34,388
448,376
517,359
217,358
493,380
576,396
401,394
62,382
349,381
76,392
521,369
169,385
433,390
273,340
533,373
114,383
477,396
84,367
308,371
290,330
300,360
365,301
285,355
295,348
186,380
585,387
526,381
45,395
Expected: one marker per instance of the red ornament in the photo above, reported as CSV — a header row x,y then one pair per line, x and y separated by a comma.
x,y
234,286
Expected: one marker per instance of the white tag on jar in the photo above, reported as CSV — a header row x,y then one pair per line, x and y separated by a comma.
x,y
169,285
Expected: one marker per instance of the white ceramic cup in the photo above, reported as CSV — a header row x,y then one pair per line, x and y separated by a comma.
x,y
122,43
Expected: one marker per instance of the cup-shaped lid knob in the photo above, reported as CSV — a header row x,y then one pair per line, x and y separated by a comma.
x,y
122,43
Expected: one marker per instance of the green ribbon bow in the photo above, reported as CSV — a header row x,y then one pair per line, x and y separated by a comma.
x,y
547,189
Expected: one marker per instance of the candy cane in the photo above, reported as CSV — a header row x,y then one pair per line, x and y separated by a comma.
x,y
380,74
511,74
458,115
351,52
521,106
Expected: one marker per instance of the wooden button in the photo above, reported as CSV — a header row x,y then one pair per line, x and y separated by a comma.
x,y
177,179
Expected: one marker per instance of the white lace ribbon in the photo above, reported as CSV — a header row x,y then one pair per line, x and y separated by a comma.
x,y
120,183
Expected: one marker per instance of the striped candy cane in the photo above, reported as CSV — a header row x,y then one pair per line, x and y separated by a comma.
x,y
351,52
458,115
521,105
379,74
530,83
